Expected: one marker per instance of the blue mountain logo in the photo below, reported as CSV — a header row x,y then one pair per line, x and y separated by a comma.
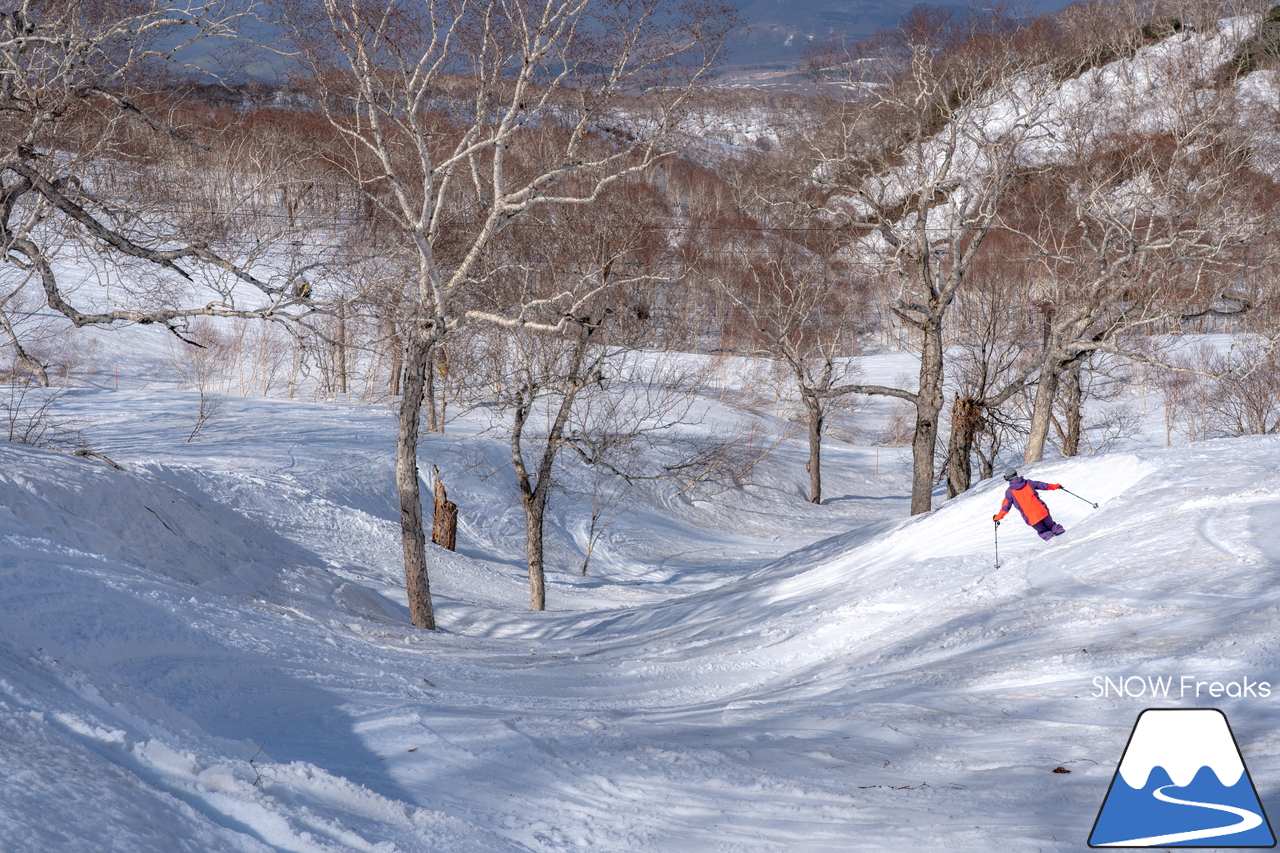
x,y
1181,783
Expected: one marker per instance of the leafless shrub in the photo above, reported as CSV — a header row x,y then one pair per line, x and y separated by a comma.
x,y
901,427
204,361
1186,393
28,415
208,410
1116,424
606,495
265,353
204,358
1005,427
1246,397
708,464
1214,393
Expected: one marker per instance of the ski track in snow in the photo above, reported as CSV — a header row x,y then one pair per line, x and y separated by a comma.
x,y
210,651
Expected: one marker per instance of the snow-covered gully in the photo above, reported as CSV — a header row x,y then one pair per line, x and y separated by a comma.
x,y
209,650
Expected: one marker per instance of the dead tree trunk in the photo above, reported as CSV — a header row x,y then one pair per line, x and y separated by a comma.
x,y
970,415
966,420
444,526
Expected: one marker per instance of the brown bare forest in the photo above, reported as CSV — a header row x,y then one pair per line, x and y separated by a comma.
x,y
445,206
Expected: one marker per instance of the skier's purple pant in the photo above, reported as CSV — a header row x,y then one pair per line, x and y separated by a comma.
x,y
1048,528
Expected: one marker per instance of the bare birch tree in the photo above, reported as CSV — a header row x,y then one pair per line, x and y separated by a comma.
x,y
461,115
918,163
576,389
87,92
1147,218
801,311
588,391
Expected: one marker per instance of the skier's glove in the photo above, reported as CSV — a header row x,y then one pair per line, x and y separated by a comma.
x,y
1055,485
996,519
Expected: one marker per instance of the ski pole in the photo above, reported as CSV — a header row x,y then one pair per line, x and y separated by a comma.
x,y
1086,500
997,544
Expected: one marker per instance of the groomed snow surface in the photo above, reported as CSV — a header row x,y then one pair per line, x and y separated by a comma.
x,y
210,650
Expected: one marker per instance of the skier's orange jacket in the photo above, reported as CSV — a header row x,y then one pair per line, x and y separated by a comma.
x,y
1022,494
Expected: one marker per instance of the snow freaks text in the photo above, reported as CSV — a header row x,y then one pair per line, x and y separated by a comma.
x,y
1180,687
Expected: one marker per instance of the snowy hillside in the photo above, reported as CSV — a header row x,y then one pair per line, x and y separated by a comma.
x,y
209,650
205,644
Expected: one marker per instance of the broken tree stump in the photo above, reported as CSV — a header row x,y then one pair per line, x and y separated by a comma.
x,y
444,525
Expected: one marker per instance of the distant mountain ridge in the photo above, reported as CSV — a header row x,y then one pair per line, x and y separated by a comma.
x,y
776,31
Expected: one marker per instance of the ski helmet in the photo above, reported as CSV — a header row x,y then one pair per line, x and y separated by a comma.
x,y
1010,472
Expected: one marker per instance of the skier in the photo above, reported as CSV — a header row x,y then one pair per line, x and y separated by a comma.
x,y
1022,494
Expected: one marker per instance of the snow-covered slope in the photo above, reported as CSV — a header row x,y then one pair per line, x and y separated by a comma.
x,y
1176,87
209,650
